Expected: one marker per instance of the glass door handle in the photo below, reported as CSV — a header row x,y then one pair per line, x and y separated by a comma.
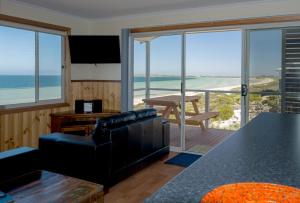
x,y
244,90
181,88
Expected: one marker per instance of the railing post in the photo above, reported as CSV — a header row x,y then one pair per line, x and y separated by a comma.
x,y
207,95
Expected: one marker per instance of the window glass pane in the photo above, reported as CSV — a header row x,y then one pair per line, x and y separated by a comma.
x,y
50,62
17,66
265,60
213,60
265,71
139,63
165,63
139,72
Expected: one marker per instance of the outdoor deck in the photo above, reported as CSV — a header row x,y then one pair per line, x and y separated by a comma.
x,y
197,140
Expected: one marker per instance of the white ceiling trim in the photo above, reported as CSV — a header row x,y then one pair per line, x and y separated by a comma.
x,y
188,10
48,10
150,13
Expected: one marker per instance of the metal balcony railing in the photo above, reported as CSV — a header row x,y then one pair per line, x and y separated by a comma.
x,y
207,94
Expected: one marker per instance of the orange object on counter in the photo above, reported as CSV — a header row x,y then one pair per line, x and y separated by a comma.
x,y
253,193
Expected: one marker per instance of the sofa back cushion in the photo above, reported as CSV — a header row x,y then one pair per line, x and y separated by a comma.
x,y
145,113
116,120
104,125
135,141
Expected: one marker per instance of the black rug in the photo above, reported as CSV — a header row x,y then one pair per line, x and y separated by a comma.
x,y
183,159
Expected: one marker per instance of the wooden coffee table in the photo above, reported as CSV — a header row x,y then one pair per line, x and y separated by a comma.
x,y
53,187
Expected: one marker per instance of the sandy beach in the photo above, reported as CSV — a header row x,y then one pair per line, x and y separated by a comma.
x,y
139,100
27,95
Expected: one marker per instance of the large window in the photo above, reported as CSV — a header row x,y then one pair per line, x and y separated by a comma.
x,y
31,67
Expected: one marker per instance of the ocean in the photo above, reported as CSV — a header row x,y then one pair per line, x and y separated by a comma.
x,y
174,82
16,89
21,88
27,81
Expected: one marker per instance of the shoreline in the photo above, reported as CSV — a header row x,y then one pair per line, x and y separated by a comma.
x,y
139,100
27,95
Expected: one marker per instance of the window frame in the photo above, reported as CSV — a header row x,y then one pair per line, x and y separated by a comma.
x,y
48,102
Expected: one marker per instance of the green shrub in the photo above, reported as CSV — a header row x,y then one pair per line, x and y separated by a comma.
x,y
226,112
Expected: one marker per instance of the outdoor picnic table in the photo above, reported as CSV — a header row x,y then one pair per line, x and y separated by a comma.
x,y
170,106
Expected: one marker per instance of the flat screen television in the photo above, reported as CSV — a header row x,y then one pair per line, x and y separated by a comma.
x,y
94,49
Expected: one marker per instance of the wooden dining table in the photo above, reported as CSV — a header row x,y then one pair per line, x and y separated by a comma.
x,y
171,103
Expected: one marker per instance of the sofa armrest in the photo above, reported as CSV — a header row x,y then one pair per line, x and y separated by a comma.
x,y
76,156
17,162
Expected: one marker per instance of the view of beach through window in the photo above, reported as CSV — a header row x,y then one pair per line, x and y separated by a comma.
x,y
18,66
213,71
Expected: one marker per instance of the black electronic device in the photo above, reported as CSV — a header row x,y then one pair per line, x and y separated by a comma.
x,y
91,49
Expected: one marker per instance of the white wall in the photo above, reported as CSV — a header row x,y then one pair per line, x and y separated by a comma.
x,y
96,72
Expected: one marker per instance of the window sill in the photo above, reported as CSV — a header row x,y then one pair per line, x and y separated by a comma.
x,y
33,108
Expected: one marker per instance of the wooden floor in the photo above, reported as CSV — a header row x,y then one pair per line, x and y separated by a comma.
x,y
141,185
144,183
196,136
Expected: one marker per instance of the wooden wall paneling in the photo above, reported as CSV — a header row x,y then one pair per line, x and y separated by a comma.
x,y
24,128
106,95
10,131
27,130
18,122
35,121
108,91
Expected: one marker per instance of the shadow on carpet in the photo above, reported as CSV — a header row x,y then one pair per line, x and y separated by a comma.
x,y
183,159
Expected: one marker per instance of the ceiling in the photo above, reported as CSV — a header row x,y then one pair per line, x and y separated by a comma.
x,y
112,8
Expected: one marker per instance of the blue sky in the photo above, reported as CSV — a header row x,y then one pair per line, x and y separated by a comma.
x,y
17,52
213,54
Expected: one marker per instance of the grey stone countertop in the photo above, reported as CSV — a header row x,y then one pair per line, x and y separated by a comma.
x,y
265,150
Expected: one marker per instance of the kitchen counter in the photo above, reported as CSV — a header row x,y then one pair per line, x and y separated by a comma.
x,y
265,150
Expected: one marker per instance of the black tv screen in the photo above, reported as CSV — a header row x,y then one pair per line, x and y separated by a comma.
x,y
94,49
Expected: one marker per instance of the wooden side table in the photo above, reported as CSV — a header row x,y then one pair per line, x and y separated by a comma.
x,y
53,187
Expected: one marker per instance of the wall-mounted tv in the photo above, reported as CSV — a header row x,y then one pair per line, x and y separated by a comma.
x,y
87,49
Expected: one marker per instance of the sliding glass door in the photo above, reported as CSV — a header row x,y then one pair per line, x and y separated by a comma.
x,y
264,69
139,73
158,77
210,83
165,81
193,79
213,74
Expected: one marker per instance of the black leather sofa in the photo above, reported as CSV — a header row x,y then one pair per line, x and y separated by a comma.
x,y
15,164
119,146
